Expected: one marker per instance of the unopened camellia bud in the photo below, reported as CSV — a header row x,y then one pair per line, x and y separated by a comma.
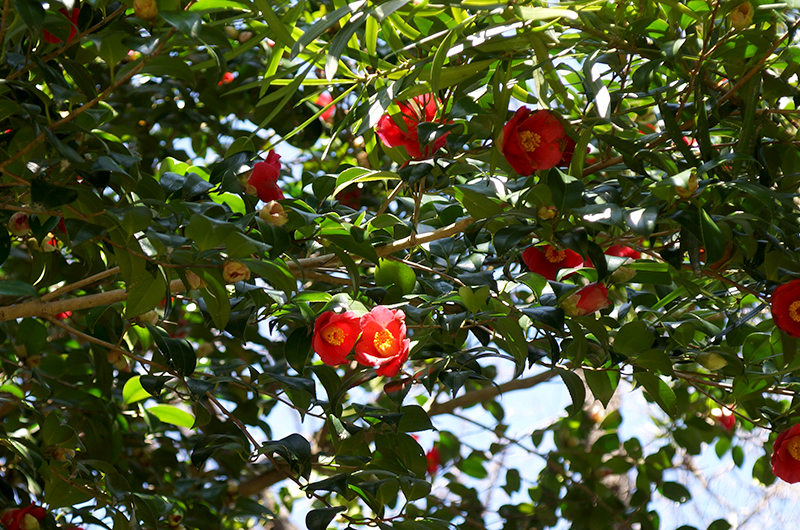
x,y
234,271
195,281
174,519
231,32
274,213
711,360
622,275
690,189
546,213
18,224
145,9
742,16
245,36
151,317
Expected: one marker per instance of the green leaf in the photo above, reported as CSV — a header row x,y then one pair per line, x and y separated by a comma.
x,y
659,392
602,383
294,449
166,66
320,518
414,419
675,492
51,195
146,293
633,338
186,22
179,353
543,13
133,391
655,360
576,390
172,415
17,288
13,390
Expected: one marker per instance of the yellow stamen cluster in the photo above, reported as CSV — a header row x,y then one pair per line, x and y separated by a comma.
x,y
529,140
383,341
333,335
793,446
554,256
794,310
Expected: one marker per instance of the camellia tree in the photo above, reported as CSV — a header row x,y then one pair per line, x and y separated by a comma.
x,y
223,217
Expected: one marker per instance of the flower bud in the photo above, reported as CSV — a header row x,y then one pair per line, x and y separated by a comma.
x,y
33,361
49,243
234,271
231,32
174,519
587,300
742,16
151,317
622,275
274,213
245,36
711,360
145,9
546,213
195,281
18,224
691,187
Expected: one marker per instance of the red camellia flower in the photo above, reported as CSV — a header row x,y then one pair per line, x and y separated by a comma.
x,y
383,341
323,100
568,151
623,252
434,458
724,417
73,29
227,77
786,307
263,180
19,224
587,300
533,141
786,455
334,336
23,518
548,260
421,108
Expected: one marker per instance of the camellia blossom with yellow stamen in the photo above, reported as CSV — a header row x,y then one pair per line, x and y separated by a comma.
x,y
548,260
334,336
534,141
383,343
786,307
23,518
786,455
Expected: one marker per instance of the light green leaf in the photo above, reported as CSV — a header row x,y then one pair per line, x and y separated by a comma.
x,y
172,415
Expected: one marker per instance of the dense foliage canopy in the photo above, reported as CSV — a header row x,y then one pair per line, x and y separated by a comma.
x,y
222,217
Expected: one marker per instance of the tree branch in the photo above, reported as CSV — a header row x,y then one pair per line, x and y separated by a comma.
x,y
44,308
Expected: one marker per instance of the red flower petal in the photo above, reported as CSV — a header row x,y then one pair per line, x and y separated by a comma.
x,y
265,178
533,141
785,307
383,341
548,260
334,336
786,455
412,112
